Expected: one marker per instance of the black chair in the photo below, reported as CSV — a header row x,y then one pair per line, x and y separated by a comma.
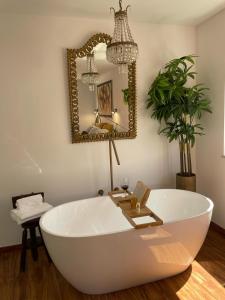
x,y
33,242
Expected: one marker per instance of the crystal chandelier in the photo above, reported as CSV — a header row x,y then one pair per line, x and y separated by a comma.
x,y
122,50
91,77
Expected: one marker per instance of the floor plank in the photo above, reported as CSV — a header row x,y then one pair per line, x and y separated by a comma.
x,y
202,281
212,255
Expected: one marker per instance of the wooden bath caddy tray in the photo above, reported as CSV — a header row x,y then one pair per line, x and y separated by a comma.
x,y
132,216
128,202
122,198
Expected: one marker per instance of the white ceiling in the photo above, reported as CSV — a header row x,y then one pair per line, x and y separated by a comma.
x,y
154,11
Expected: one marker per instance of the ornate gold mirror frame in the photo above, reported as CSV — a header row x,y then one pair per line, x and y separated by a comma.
x,y
72,55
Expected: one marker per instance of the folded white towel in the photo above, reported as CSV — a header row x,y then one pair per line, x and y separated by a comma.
x,y
120,195
95,130
28,213
19,221
34,200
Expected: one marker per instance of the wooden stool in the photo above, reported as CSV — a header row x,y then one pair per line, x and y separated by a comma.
x,y
33,242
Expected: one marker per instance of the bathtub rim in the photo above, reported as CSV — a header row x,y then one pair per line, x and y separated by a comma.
x,y
209,209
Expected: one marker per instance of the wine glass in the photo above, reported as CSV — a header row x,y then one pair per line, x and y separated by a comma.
x,y
125,184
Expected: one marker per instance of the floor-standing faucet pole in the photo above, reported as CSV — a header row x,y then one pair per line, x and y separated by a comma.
x,y
110,161
111,142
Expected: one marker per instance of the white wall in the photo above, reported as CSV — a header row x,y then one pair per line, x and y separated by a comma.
x,y
210,148
36,153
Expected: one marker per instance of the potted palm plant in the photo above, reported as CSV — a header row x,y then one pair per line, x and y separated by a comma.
x,y
178,106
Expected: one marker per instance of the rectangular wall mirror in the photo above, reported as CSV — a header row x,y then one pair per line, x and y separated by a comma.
x,y
102,100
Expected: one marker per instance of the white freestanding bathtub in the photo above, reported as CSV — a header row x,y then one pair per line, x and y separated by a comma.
x,y
98,251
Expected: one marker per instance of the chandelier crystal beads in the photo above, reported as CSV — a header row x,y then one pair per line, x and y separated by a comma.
x,y
122,50
91,77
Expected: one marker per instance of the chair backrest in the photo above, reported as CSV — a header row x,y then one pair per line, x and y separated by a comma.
x,y
15,198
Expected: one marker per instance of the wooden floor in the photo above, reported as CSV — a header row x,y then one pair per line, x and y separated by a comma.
x,y
43,282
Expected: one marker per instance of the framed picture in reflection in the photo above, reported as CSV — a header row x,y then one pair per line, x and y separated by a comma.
x,y
105,99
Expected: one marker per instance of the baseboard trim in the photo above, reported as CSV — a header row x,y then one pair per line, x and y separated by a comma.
x,y
217,228
10,248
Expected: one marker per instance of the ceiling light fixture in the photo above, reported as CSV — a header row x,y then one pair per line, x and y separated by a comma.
x,y
122,50
91,77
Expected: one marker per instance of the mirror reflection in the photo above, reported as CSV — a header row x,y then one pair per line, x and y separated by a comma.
x,y
102,93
